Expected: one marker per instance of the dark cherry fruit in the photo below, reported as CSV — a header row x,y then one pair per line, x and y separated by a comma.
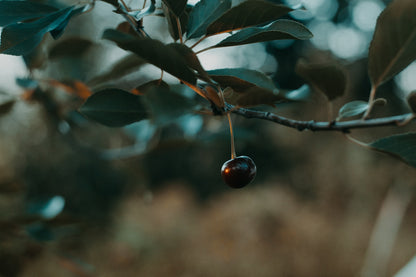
x,y
238,172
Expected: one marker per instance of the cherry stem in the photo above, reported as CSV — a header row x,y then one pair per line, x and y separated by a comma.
x,y
233,155
161,78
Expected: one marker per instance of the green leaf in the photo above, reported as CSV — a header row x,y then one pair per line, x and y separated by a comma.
x,y
36,58
280,29
114,108
6,106
74,46
154,52
203,14
352,109
247,14
246,87
411,101
394,42
240,79
402,146
173,25
121,68
253,96
143,88
166,105
16,11
191,59
58,31
21,38
150,9
176,6
329,78
27,83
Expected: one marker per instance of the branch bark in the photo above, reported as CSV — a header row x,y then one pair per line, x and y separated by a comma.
x,y
341,126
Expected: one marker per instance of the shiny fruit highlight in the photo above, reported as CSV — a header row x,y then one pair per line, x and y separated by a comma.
x,y
238,172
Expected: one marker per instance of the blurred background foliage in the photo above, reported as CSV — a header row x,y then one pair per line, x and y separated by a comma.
x,y
80,199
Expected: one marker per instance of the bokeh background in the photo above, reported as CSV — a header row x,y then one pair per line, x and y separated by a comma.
x,y
80,199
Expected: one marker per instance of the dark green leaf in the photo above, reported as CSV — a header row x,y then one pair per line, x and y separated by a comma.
x,y
58,31
166,105
394,41
173,25
280,29
246,87
329,79
251,97
401,146
70,47
154,52
240,79
411,101
114,107
35,58
191,59
27,83
143,88
6,106
352,109
21,38
247,14
203,14
40,232
121,68
16,11
176,6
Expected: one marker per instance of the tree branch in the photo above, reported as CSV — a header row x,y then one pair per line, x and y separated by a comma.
x,y
342,126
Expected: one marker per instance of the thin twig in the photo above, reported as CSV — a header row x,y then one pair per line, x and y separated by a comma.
x,y
125,6
203,50
343,126
178,23
196,43
370,102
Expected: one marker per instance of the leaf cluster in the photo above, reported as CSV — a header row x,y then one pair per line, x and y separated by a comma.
x,y
25,23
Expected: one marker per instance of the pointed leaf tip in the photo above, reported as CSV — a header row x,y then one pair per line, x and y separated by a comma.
x,y
154,52
203,14
352,109
402,146
279,29
114,108
247,14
